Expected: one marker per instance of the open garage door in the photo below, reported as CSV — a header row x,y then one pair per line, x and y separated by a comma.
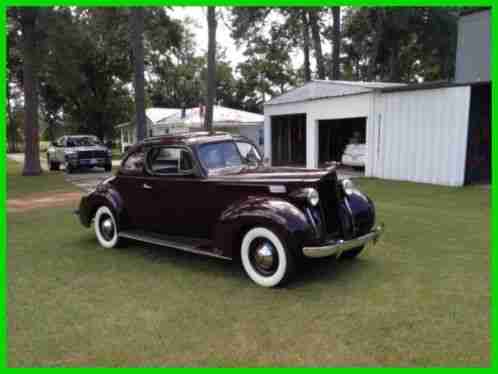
x,y
335,135
288,137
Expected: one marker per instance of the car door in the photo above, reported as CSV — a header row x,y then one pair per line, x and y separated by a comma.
x,y
178,192
59,149
132,185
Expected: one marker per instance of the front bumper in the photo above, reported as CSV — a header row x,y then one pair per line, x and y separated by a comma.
x,y
336,247
89,162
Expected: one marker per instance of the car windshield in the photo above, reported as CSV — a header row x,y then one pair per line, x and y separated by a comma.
x,y
220,155
82,141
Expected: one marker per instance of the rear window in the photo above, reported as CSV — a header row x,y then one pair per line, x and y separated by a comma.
x,y
134,162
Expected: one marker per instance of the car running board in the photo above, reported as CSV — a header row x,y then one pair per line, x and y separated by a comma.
x,y
197,246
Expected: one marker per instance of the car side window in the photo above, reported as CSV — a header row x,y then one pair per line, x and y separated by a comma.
x,y
169,160
248,151
134,163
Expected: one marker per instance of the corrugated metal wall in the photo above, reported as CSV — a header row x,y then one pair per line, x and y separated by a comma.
x,y
420,136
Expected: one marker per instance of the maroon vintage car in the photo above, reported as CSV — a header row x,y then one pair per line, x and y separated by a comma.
x,y
211,194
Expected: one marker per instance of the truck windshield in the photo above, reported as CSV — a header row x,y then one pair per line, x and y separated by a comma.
x,y
82,141
220,155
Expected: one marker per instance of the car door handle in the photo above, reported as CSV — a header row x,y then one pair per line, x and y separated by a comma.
x,y
146,186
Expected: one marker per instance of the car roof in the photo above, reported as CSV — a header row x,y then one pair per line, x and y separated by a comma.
x,y
190,138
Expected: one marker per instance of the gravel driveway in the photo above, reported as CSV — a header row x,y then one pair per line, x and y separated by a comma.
x,y
85,179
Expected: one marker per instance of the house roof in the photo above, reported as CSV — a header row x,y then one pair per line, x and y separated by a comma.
x,y
153,115
222,117
156,114
321,89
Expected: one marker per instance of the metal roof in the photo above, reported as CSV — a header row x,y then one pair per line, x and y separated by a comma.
x,y
321,89
222,117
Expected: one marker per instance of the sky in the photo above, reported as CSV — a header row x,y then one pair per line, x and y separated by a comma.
x,y
223,38
198,15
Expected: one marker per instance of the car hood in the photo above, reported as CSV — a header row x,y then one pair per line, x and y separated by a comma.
x,y
267,174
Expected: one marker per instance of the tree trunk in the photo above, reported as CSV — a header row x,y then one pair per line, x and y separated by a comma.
x,y
137,30
317,43
211,68
336,42
30,70
11,126
372,66
306,46
395,69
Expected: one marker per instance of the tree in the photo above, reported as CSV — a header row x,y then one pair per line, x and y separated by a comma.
x,y
28,18
136,34
336,42
211,68
314,21
400,44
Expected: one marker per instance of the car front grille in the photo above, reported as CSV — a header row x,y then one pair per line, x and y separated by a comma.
x,y
92,154
327,190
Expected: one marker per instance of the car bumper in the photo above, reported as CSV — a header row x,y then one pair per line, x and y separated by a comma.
x,y
349,161
89,162
336,247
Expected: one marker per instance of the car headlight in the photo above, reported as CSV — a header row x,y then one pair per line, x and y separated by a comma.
x,y
109,152
348,186
312,196
70,153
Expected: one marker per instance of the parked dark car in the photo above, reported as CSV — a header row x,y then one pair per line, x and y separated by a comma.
x,y
79,151
198,193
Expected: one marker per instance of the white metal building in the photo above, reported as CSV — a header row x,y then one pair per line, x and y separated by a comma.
x,y
430,133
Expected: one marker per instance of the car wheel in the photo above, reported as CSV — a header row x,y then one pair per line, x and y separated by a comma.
x,y
352,253
108,167
106,229
69,169
265,258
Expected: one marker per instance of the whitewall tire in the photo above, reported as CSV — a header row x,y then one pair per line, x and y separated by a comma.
x,y
106,229
265,258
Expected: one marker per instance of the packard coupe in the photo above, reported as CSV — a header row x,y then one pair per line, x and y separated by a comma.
x,y
212,194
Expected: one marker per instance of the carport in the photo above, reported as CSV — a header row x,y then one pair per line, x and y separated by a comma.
x,y
436,133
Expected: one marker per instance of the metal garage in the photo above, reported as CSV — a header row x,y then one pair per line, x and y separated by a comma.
x,y
435,133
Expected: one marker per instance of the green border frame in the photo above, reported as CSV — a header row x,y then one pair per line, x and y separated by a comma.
x,y
456,3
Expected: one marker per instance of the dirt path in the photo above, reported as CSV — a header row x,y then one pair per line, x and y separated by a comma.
x,y
39,201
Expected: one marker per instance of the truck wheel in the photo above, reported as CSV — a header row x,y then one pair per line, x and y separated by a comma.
x,y
52,165
265,258
352,253
106,229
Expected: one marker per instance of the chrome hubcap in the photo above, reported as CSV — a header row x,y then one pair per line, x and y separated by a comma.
x,y
263,256
107,228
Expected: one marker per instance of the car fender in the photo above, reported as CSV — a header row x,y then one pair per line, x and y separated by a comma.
x,y
103,195
284,218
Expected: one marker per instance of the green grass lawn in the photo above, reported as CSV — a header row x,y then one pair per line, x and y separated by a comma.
x,y
48,182
421,297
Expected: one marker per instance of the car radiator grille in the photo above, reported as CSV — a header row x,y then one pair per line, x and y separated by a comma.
x,y
327,190
92,154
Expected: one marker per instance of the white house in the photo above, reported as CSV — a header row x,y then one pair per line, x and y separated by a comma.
x,y
227,119
128,129
435,133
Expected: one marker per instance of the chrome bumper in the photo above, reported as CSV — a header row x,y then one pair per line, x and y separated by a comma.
x,y
338,246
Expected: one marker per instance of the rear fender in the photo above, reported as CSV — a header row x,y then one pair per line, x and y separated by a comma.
x,y
278,215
